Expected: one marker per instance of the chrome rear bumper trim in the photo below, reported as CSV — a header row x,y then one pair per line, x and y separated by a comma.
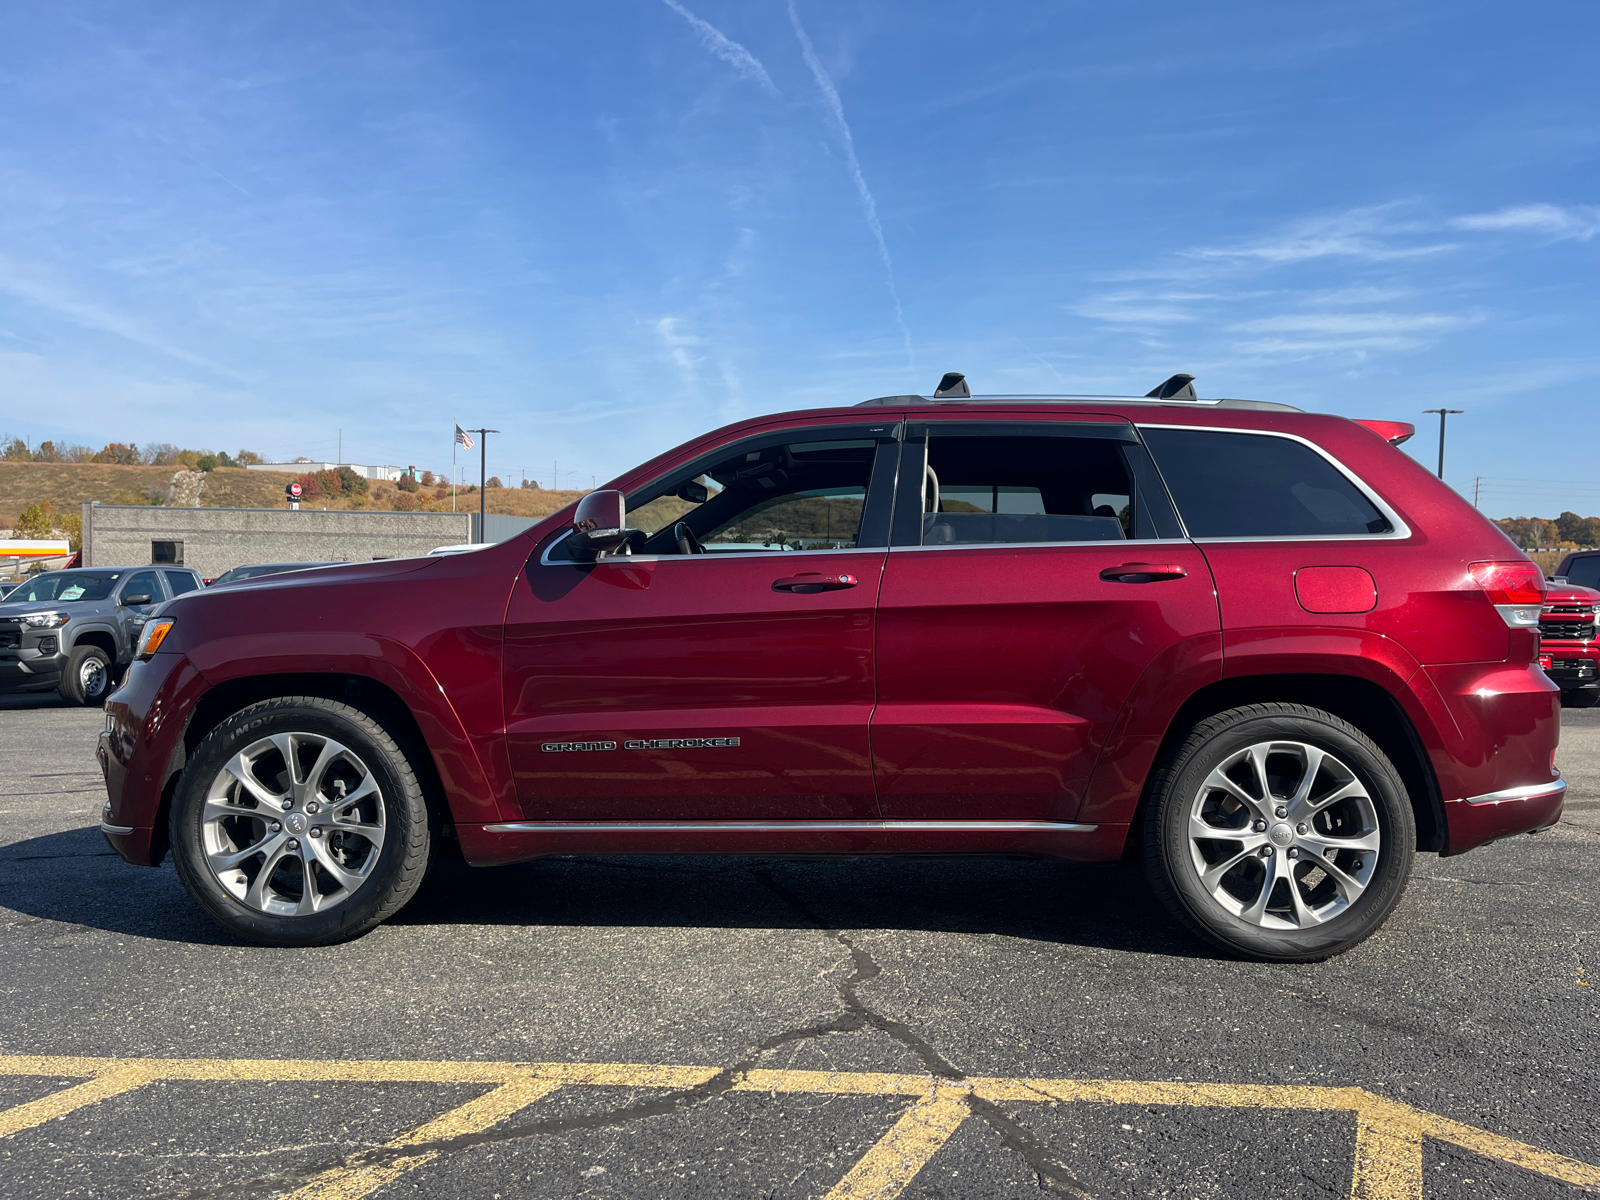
x,y
1532,791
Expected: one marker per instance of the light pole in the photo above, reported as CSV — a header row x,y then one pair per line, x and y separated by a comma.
x,y
1443,413
483,475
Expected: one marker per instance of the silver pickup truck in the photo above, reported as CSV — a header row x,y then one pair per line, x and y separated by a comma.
x,y
77,631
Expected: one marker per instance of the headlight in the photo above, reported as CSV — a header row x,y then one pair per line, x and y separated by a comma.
x,y
45,620
154,634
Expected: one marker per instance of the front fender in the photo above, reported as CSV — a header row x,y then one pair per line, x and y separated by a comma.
x,y
473,792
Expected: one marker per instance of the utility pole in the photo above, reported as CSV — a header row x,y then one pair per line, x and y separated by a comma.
x,y
340,463
483,475
1443,413
1477,487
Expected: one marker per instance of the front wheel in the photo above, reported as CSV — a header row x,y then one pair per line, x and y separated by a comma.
x,y
1580,697
1280,833
87,678
299,821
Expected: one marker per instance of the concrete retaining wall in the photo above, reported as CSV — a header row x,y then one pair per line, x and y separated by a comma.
x,y
217,539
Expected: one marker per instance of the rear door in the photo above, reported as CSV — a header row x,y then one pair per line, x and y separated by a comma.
x,y
1037,571
724,669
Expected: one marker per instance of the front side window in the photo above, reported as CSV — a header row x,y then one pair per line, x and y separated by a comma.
x,y
1230,485
981,486
144,583
795,495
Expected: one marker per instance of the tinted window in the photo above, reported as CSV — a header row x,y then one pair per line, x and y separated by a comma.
x,y
180,582
981,488
1254,485
67,585
1585,572
795,496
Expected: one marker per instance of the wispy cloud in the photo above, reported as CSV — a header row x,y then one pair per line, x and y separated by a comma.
x,y
679,346
1369,234
1360,323
1581,221
725,48
830,95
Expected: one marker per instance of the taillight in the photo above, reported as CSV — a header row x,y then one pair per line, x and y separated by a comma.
x,y
1516,589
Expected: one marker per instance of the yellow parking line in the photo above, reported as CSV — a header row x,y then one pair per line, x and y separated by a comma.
x,y
59,1104
894,1161
1388,1160
362,1178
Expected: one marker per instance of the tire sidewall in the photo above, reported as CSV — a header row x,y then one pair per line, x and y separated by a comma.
x,y
1396,824
405,817
72,679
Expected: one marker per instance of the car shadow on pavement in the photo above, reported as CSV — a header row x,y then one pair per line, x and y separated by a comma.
x,y
75,877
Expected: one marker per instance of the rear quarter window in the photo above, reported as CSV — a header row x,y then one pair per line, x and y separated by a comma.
x,y
1229,485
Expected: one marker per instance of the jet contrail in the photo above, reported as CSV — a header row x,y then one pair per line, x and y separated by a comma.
x,y
836,110
725,48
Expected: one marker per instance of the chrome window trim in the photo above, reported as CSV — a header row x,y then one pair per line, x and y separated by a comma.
x,y
546,561
1532,791
1399,530
863,826
1127,542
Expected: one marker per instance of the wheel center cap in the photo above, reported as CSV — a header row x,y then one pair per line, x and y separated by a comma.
x,y
296,823
1280,834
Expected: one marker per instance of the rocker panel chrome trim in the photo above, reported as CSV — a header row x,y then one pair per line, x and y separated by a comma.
x,y
787,826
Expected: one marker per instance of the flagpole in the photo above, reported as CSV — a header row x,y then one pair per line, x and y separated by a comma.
x,y
453,442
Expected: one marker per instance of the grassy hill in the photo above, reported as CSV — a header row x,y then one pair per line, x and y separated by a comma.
x,y
67,485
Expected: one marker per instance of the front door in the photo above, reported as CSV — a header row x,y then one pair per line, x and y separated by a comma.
x,y
723,669
1037,572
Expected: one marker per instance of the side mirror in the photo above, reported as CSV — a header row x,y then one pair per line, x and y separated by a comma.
x,y
136,598
693,492
600,524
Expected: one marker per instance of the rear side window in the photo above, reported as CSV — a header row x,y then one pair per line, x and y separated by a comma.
x,y
986,485
180,582
1585,572
1234,485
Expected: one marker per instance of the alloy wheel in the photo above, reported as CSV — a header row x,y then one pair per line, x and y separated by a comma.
x,y
293,824
1284,835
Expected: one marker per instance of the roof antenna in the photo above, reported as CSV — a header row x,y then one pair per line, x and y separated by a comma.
x,y
953,387
1179,387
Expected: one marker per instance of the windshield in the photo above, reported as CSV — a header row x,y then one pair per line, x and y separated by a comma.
x,y
66,586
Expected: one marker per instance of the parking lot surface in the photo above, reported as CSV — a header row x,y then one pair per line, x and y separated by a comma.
x,y
738,1027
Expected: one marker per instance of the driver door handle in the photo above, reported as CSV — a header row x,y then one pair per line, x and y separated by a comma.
x,y
1142,573
812,582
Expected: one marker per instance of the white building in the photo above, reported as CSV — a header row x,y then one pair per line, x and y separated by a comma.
x,y
305,468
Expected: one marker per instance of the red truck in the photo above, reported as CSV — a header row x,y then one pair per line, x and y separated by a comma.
x,y
1568,649
1262,649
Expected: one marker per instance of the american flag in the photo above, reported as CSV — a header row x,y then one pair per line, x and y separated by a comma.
x,y
463,438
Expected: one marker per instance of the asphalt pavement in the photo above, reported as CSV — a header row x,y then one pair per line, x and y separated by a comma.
x,y
740,1027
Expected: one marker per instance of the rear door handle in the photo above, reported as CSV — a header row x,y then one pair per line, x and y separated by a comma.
x,y
1142,573
812,582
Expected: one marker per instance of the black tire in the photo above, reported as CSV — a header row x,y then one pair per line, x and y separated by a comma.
x,y
1580,697
87,678
398,864
1180,788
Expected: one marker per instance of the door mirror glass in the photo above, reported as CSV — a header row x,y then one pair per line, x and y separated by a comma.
x,y
133,598
599,524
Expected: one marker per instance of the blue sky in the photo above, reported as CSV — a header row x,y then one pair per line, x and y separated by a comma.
x,y
604,228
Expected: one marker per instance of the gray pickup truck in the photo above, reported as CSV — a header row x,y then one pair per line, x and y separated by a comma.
x,y
77,631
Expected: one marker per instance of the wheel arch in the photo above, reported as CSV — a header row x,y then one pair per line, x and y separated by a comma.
x,y
96,635
363,693
1365,704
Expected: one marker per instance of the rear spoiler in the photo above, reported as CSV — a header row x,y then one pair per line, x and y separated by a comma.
x,y
1393,432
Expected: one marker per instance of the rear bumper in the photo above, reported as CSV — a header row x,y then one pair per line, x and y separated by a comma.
x,y
1480,819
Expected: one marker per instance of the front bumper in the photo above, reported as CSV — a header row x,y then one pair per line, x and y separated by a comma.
x,y
141,752
35,665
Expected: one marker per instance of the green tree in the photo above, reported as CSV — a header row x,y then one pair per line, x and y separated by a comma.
x,y
38,521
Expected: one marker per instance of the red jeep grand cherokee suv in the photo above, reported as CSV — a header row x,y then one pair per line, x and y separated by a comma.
x,y
1262,647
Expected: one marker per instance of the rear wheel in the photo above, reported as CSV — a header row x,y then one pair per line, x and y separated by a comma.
x,y
1279,832
299,822
87,678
